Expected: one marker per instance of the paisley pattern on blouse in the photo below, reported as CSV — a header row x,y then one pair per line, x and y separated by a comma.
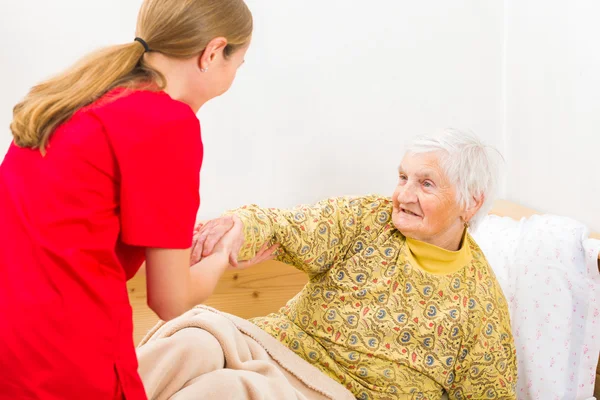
x,y
368,318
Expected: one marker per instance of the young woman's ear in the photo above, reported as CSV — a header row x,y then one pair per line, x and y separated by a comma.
x,y
213,49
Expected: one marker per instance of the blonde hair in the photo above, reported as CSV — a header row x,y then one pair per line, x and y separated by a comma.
x,y
175,28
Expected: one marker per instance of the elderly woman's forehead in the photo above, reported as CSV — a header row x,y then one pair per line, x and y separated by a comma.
x,y
430,159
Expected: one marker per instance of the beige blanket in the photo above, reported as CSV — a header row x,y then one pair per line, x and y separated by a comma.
x,y
207,354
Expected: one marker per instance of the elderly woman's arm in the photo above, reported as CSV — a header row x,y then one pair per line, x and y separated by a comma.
x,y
311,238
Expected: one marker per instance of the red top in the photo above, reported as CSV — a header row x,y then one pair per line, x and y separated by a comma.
x,y
121,175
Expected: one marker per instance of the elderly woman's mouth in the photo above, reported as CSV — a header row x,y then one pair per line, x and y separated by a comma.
x,y
405,211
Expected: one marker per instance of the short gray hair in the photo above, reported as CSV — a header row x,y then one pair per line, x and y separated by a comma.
x,y
470,165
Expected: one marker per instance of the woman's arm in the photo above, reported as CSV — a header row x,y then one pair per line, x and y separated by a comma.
x,y
173,287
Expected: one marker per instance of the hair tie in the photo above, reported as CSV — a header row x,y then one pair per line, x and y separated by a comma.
x,y
143,42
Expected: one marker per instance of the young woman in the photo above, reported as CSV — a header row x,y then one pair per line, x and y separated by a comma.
x,y
103,175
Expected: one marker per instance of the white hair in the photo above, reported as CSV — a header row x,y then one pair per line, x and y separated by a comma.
x,y
470,165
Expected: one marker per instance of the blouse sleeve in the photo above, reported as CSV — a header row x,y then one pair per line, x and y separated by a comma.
x,y
312,237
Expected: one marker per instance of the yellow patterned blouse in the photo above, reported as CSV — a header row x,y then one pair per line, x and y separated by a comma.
x,y
386,316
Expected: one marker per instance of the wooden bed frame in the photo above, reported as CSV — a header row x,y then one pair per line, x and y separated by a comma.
x,y
266,287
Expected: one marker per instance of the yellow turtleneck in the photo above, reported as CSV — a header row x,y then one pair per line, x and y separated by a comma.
x,y
436,260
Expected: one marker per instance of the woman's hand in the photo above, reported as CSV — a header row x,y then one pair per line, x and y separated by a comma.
x,y
222,241
196,253
207,235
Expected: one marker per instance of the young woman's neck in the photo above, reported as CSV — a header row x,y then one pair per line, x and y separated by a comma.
x,y
181,79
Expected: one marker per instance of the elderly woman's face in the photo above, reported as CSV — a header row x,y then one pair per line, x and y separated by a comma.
x,y
425,205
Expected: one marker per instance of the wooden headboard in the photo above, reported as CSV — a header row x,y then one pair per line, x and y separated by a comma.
x,y
264,288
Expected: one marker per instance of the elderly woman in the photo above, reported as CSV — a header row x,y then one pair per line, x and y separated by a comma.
x,y
401,302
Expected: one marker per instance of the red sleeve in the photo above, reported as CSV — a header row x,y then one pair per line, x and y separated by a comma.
x,y
160,179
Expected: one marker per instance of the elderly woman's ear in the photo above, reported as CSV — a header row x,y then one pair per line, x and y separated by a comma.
x,y
473,208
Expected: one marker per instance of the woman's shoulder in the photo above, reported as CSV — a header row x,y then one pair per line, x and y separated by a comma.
x,y
146,107
357,205
370,202
479,261
373,214
134,117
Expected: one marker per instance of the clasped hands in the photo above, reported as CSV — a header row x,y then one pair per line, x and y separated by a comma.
x,y
226,235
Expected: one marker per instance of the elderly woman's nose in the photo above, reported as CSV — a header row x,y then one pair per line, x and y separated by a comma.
x,y
407,194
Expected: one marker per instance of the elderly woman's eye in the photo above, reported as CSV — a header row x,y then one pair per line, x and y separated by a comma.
x,y
428,184
402,177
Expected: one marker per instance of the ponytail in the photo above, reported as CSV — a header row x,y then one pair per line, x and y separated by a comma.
x,y
54,101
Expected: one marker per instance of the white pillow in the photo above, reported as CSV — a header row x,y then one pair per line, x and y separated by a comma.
x,y
547,268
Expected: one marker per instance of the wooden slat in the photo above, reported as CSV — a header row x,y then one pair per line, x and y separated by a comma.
x,y
257,291
505,208
143,317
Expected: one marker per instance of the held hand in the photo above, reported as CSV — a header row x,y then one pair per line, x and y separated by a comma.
x,y
196,254
207,235
230,242
264,253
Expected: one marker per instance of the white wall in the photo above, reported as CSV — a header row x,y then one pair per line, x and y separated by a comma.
x,y
553,107
329,94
